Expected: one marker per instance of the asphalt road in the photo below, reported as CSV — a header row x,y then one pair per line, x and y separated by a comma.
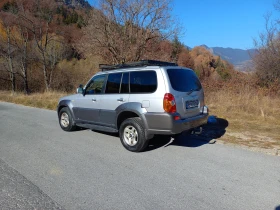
x,y
90,170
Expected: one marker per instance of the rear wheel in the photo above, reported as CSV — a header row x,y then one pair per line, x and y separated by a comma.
x,y
132,135
66,120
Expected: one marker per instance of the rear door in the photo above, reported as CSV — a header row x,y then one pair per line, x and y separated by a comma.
x,y
143,88
187,91
116,94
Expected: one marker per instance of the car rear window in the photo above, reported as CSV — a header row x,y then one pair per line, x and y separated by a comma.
x,y
183,80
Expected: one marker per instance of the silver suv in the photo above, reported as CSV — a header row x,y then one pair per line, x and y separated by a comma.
x,y
136,100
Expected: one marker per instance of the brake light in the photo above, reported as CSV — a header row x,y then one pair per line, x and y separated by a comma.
x,y
169,104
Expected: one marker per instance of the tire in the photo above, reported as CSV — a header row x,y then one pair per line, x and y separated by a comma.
x,y
132,135
66,120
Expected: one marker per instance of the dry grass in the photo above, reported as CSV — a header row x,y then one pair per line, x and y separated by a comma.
x,y
254,119
47,100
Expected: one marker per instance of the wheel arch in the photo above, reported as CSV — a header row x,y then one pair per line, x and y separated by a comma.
x,y
130,110
125,115
68,104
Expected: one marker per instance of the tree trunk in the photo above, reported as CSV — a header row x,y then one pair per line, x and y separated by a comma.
x,y
10,62
13,81
24,69
46,77
24,77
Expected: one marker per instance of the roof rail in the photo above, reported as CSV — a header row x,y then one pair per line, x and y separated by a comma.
x,y
105,67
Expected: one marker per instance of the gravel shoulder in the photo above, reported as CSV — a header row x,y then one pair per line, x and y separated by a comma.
x,y
17,192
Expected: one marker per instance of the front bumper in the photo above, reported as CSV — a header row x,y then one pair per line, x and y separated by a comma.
x,y
164,123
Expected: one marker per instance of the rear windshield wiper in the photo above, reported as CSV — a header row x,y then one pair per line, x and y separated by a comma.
x,y
192,90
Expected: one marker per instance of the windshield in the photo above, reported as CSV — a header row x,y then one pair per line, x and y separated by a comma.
x,y
183,80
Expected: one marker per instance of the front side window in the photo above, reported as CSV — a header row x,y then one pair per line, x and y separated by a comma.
x,y
143,82
113,83
96,85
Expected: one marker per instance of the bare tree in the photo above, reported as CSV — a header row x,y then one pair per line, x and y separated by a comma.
x,y
267,58
48,47
23,44
19,38
39,27
7,50
120,30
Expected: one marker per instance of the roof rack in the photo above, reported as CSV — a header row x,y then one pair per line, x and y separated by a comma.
x,y
105,67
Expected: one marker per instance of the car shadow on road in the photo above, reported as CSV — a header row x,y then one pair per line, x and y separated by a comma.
x,y
210,132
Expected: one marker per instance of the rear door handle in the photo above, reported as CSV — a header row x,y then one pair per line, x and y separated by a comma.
x,y
120,99
93,99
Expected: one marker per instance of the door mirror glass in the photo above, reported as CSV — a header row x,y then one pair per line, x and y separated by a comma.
x,y
80,89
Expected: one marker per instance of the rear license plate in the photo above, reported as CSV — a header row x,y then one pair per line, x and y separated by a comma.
x,y
192,104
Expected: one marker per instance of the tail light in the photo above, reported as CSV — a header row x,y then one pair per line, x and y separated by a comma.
x,y
169,104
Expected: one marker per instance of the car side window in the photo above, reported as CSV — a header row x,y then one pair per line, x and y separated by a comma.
x,y
143,82
113,83
96,85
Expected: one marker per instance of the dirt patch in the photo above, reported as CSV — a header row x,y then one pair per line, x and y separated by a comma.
x,y
221,132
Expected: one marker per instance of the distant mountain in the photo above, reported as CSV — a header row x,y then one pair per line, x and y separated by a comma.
x,y
241,59
76,3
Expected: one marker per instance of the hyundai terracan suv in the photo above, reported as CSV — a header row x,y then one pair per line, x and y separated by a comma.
x,y
136,100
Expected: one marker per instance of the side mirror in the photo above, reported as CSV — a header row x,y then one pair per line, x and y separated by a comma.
x,y
80,89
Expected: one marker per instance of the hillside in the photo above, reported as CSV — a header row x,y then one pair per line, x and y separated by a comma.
x,y
69,3
238,57
241,59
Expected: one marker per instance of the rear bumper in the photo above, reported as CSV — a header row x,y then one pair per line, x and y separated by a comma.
x,y
164,123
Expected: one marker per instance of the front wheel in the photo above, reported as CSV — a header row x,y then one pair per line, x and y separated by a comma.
x,y
66,121
132,135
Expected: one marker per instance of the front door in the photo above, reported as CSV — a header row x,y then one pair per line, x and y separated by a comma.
x,y
87,108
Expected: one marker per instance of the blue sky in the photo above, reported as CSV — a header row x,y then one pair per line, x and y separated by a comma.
x,y
221,23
